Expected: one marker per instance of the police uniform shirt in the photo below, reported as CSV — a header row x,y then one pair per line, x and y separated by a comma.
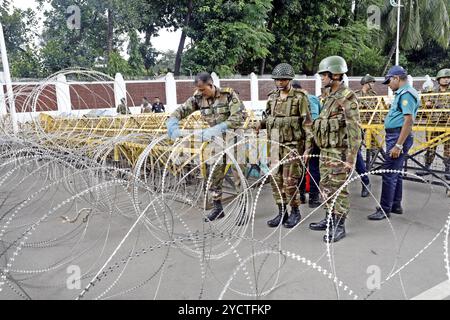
x,y
405,102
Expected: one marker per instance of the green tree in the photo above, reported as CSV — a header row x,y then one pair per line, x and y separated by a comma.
x,y
165,62
19,30
422,21
117,64
227,33
135,60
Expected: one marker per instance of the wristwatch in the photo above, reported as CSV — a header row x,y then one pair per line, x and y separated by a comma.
x,y
400,146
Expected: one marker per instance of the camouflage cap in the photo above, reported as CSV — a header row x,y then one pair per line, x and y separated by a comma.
x,y
283,71
367,79
444,73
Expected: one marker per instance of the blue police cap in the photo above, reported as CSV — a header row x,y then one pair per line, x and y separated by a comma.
x,y
394,71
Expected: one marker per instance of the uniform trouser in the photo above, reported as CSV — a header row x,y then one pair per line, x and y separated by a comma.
x,y
333,175
314,172
286,179
392,183
360,168
431,152
217,181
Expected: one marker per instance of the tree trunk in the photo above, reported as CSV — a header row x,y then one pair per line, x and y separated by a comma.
x,y
109,41
183,39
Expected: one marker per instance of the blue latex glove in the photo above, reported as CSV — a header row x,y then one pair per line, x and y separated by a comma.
x,y
217,130
173,130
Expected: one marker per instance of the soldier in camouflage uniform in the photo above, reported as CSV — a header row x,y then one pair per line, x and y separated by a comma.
x,y
337,132
443,79
288,123
223,110
366,91
122,108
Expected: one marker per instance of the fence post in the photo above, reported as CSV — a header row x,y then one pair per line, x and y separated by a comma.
x,y
318,85
216,79
63,94
254,90
120,90
171,92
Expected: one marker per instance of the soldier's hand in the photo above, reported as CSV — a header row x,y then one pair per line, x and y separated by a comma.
x,y
348,166
258,127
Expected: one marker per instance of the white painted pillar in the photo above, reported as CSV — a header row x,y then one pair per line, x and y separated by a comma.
x,y
171,93
216,79
63,94
346,80
254,90
120,90
318,85
7,79
410,80
390,92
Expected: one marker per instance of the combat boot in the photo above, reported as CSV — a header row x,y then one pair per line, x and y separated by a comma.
x,y
216,213
314,200
365,191
280,218
337,230
425,172
293,219
321,225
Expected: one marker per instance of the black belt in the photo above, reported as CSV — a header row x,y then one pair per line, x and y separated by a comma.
x,y
393,130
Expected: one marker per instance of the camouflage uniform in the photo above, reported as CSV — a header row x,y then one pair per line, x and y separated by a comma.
x,y
292,120
369,93
123,109
146,108
435,119
338,135
224,107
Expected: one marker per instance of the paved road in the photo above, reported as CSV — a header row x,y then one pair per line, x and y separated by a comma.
x,y
405,253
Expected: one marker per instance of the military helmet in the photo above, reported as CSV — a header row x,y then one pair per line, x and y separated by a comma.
x,y
367,79
443,74
283,71
333,64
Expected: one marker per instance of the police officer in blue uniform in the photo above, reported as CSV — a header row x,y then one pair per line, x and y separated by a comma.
x,y
398,126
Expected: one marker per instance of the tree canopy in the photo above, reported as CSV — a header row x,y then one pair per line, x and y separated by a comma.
x,y
225,36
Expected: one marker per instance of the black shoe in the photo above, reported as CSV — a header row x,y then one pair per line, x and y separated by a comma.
x,y
319,226
293,219
425,172
337,230
216,213
365,191
314,201
378,215
280,218
397,210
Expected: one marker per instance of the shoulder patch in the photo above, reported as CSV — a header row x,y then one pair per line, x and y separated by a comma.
x,y
226,90
235,100
353,105
404,103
